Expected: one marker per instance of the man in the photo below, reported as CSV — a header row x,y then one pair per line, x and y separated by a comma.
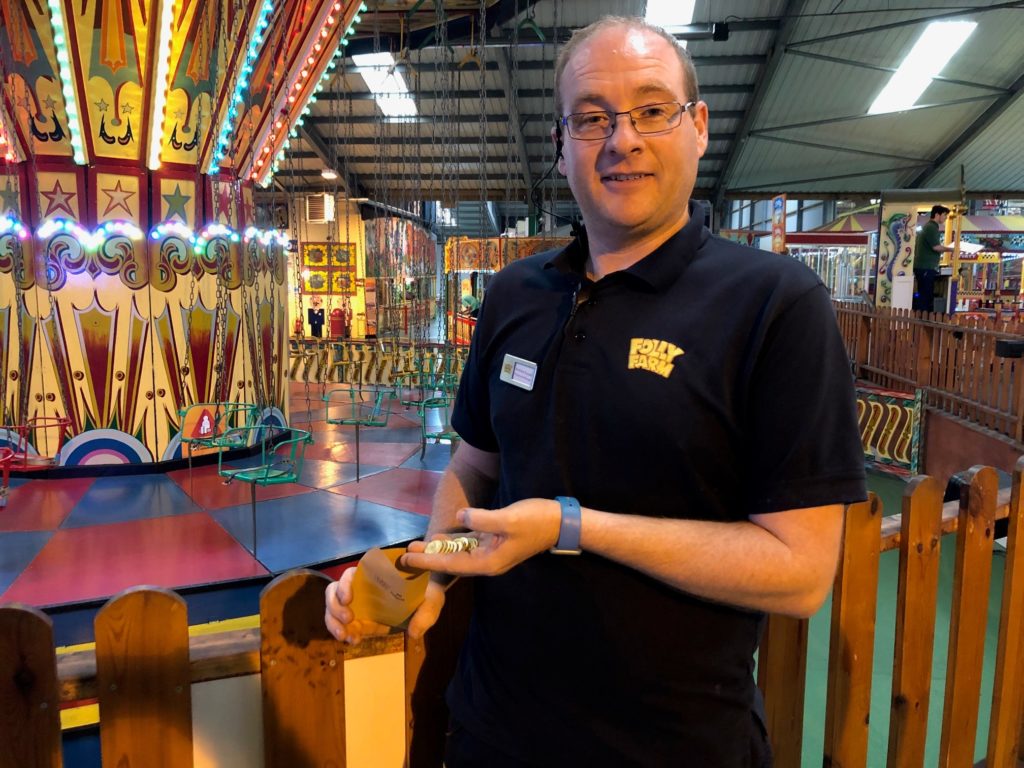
x,y
928,248
688,400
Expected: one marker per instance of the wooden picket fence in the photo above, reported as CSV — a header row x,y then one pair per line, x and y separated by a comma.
x,y
951,358
144,663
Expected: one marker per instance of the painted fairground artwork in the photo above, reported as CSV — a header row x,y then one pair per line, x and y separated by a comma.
x,y
133,282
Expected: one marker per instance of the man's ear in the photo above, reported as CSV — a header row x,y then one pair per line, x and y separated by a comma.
x,y
700,124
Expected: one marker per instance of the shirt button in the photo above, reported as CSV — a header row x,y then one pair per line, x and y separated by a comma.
x,y
580,336
591,302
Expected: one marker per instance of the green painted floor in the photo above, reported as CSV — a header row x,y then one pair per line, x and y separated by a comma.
x,y
890,491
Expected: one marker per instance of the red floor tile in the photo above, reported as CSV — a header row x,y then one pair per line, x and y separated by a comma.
x,y
42,505
99,561
208,490
370,454
408,489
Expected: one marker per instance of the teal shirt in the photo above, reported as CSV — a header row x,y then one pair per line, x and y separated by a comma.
x,y
925,255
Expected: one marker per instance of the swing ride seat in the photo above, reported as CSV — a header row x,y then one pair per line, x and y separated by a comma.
x,y
231,426
412,389
356,407
433,409
280,463
34,434
6,457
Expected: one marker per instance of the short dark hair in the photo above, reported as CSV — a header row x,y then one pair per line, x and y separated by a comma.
x,y
938,210
580,36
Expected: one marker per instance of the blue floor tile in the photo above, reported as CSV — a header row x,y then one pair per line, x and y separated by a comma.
x,y
437,457
317,528
348,473
17,550
119,499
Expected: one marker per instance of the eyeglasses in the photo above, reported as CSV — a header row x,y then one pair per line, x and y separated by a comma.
x,y
650,118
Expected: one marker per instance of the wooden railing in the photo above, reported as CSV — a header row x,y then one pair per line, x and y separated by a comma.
x,y
144,663
952,360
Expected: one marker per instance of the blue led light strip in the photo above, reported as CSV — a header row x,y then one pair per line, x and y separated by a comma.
x,y
220,150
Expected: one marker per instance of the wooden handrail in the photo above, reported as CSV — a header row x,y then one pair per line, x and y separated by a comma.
x,y
292,646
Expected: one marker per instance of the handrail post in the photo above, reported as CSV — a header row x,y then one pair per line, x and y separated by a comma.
x,y
851,648
969,608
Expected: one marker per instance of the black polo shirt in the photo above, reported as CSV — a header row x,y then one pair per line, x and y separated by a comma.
x,y
708,381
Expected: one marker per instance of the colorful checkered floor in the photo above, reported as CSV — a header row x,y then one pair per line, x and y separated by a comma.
x,y
72,540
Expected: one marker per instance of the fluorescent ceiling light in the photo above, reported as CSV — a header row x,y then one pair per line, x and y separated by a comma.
x,y
386,83
329,174
930,54
669,14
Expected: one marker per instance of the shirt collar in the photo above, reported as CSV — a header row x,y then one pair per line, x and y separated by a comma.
x,y
660,268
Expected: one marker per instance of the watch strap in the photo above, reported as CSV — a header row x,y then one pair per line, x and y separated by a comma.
x,y
569,530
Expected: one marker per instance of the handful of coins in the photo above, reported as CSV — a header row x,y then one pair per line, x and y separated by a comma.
x,y
448,546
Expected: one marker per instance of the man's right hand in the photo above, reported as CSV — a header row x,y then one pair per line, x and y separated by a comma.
x,y
344,625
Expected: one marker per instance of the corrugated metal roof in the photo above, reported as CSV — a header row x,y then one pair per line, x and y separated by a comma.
x,y
811,76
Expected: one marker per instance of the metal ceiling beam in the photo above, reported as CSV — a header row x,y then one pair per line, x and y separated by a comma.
x,y
535,66
890,70
354,160
782,185
973,131
836,148
498,93
514,121
425,178
466,119
330,159
402,141
906,23
866,116
792,9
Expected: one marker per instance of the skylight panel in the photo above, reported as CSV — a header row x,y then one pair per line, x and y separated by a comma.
x,y
670,14
386,83
930,54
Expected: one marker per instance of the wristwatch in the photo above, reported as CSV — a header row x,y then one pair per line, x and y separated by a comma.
x,y
569,531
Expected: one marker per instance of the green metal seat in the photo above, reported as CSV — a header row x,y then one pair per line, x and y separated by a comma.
x,y
280,462
358,407
436,422
219,427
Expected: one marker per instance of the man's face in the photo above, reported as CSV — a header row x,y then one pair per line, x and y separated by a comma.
x,y
941,219
630,186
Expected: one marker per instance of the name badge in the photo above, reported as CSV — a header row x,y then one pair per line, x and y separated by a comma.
x,y
518,372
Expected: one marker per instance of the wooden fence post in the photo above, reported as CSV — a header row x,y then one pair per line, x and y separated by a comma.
x,y
916,600
852,644
30,716
1004,736
865,327
969,609
302,675
144,679
923,354
782,676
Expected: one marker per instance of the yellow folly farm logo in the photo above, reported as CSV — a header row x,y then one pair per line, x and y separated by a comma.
x,y
653,355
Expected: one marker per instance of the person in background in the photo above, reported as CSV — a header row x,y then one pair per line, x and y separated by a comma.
x,y
470,305
658,438
928,250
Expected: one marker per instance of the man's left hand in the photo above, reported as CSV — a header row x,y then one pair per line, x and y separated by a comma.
x,y
507,537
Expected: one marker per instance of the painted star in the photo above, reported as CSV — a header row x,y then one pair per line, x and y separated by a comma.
x,y
179,114
118,198
58,200
127,109
9,196
49,103
101,105
176,204
224,202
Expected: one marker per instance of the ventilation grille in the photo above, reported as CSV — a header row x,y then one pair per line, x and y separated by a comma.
x,y
320,208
